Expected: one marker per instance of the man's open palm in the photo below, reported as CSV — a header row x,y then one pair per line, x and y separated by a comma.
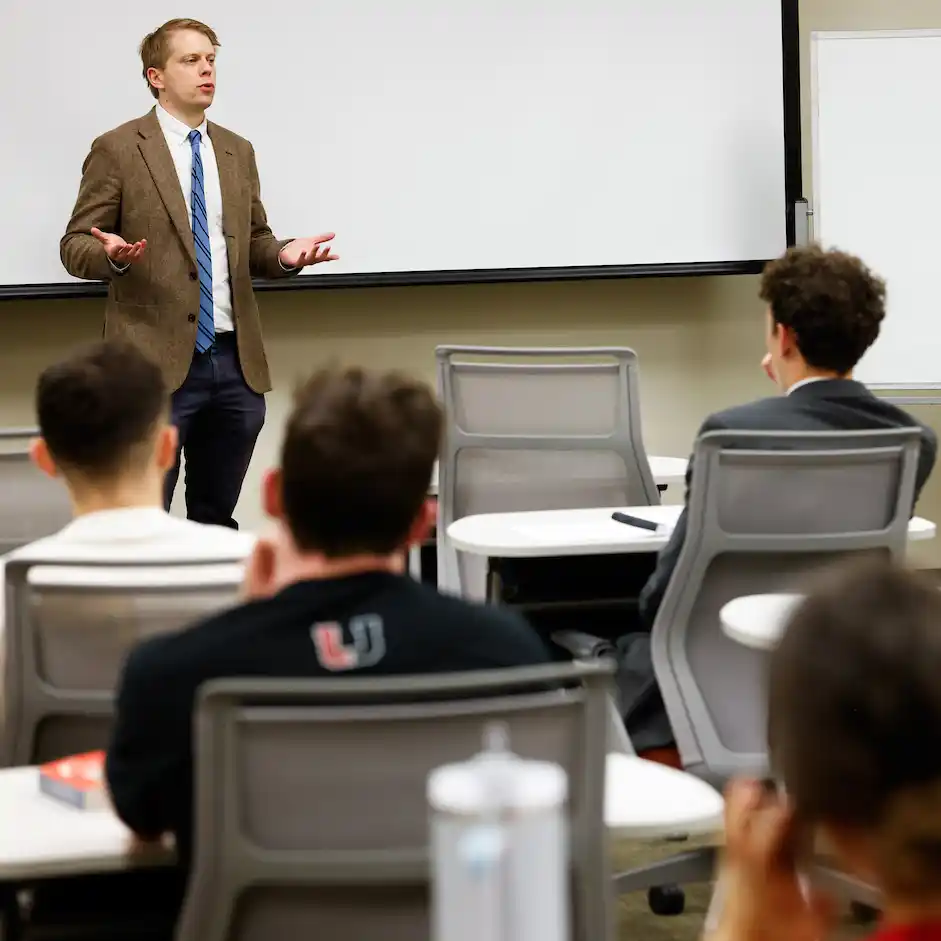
x,y
118,250
311,251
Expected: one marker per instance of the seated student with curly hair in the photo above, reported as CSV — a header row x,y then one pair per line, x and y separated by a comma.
x,y
824,310
855,738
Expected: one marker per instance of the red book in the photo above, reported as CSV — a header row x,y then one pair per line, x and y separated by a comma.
x,y
77,780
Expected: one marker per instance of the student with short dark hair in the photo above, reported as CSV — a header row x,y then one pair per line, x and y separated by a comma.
x,y
98,412
104,430
854,731
328,592
104,425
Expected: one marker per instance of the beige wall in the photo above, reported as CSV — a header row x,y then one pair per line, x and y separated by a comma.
x,y
699,339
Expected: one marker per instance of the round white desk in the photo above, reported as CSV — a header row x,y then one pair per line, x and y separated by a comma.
x,y
648,801
45,838
534,534
758,621
668,470
543,533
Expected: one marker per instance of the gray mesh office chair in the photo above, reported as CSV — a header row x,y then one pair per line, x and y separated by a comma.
x,y
69,628
765,509
535,429
32,505
311,812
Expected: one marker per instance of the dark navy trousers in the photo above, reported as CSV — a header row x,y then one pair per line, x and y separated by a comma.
x,y
218,418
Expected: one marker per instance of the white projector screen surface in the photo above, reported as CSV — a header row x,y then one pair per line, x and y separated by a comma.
x,y
435,135
877,185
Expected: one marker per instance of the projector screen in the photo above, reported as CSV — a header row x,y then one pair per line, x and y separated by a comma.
x,y
441,140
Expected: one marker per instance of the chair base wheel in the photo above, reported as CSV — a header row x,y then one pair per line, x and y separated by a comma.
x,y
666,900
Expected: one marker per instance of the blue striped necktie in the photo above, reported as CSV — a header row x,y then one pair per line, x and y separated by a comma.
x,y
206,327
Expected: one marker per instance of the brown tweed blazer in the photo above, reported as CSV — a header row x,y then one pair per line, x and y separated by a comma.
x,y
130,187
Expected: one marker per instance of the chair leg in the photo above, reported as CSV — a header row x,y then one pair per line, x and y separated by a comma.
x,y
696,866
10,923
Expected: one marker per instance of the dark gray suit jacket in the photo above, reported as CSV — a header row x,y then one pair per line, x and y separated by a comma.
x,y
824,405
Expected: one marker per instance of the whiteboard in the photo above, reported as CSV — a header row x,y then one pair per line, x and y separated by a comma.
x,y
877,184
435,135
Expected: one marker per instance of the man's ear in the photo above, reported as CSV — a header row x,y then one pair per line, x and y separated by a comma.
x,y
788,340
39,454
424,523
155,78
272,497
167,440
260,571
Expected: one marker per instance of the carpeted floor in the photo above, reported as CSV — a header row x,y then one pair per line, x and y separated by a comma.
x,y
636,923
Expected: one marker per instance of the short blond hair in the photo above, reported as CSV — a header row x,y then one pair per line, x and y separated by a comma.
x,y
155,46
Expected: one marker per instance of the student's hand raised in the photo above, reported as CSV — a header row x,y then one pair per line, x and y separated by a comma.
x,y
763,898
119,251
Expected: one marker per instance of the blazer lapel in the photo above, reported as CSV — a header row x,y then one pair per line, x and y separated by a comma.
x,y
230,183
156,154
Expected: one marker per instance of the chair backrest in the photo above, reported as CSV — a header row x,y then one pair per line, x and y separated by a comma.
x,y
70,626
32,505
311,809
535,429
764,510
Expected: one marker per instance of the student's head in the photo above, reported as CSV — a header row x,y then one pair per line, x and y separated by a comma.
x,y
855,724
103,425
824,311
357,459
179,63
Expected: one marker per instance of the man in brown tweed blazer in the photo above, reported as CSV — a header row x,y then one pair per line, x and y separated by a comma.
x,y
169,213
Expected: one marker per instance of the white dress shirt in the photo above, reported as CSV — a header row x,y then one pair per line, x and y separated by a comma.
x,y
133,533
181,150
176,134
806,382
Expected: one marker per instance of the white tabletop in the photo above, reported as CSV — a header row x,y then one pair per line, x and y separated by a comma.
x,y
920,529
665,470
43,838
649,801
668,470
758,621
544,533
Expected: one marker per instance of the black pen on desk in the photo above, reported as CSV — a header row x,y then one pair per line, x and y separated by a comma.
x,y
635,521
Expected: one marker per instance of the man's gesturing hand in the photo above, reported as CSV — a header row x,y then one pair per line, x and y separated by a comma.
x,y
303,252
118,250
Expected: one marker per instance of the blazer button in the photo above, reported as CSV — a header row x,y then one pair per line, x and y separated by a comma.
x,y
191,318
193,276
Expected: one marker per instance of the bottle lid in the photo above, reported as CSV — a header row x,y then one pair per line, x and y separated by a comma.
x,y
496,780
